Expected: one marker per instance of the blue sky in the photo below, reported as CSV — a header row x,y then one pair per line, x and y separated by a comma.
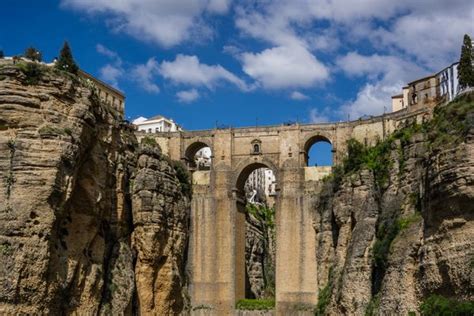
x,y
241,63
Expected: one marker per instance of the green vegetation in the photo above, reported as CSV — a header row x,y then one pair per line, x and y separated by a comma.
x,y
2,54
324,297
183,176
373,306
66,61
48,130
32,71
386,233
451,123
255,304
437,305
149,141
6,249
465,69
33,54
264,214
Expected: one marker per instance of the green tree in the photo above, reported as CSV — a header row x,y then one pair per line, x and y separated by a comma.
x,y
1,54
465,69
66,61
33,54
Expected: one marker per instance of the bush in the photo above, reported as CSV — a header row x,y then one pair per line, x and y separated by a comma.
x,y
255,304
183,176
437,305
33,72
324,297
149,141
51,131
373,306
451,123
33,54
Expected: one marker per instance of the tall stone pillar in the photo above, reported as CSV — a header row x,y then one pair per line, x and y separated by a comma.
x,y
296,286
213,290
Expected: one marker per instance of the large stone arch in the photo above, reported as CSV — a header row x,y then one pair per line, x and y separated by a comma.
x,y
240,174
312,139
192,148
246,166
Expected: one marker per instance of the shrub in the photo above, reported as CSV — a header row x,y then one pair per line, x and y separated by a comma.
x,y
149,141
183,176
51,130
33,72
437,305
255,304
33,54
324,297
373,306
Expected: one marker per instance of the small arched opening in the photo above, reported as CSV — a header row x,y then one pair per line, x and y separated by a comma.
x,y
318,152
255,232
198,156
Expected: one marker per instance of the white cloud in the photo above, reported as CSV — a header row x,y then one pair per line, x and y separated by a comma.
x,y
107,52
385,76
296,95
143,75
284,67
416,37
111,74
187,96
319,116
165,22
190,71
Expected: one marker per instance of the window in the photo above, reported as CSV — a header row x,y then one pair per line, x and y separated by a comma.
x,y
256,148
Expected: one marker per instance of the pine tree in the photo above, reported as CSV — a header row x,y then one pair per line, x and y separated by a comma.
x,y
66,61
465,69
33,54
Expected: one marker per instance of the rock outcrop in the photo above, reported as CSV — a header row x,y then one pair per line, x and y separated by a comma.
x,y
391,235
160,219
70,241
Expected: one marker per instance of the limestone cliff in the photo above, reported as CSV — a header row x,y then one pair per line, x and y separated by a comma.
x,y
75,236
395,225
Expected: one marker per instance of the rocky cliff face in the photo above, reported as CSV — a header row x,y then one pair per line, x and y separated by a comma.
x,y
75,236
395,224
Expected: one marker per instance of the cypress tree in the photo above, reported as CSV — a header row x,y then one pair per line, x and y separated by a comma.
x,y
33,54
465,69
66,61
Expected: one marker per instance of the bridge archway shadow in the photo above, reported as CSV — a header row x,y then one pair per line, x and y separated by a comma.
x,y
198,156
245,192
318,151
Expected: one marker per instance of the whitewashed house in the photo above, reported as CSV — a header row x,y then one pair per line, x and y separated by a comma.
x,y
156,124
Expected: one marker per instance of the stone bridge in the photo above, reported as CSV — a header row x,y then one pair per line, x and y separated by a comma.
x,y
216,258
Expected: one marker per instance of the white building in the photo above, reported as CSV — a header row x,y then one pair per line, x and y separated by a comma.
x,y
261,182
448,82
156,124
203,159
